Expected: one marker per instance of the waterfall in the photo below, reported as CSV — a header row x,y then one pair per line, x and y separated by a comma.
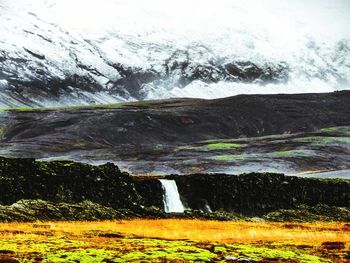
x,y
171,197
208,209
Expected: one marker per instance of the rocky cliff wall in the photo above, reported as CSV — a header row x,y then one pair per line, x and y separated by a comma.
x,y
248,194
257,194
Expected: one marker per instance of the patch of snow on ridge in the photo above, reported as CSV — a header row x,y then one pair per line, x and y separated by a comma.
x,y
199,89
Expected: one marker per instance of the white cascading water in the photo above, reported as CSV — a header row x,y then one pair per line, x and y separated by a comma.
x,y
208,208
311,37
171,197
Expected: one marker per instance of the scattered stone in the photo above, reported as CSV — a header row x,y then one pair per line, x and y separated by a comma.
x,y
8,259
112,235
277,260
244,260
346,227
230,259
333,245
41,226
187,120
5,251
295,226
304,246
257,219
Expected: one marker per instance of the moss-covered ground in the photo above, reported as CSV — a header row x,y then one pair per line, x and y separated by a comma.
x,y
322,150
215,146
173,241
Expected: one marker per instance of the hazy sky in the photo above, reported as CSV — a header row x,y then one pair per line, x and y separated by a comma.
x,y
276,16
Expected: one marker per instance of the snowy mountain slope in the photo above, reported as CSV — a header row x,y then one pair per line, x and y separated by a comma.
x,y
60,52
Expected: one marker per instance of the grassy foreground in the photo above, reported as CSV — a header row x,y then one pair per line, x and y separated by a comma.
x,y
173,240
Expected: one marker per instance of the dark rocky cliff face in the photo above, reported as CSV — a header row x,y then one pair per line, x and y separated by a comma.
x,y
66,182
250,194
151,191
257,194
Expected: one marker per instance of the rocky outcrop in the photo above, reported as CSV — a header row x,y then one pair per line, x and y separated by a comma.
x,y
33,210
34,92
181,72
305,213
76,191
151,191
180,67
258,194
66,182
106,185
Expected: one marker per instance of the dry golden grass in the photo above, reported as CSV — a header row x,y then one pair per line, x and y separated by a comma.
x,y
172,240
196,230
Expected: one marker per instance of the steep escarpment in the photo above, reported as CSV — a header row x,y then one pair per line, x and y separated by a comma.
x,y
66,182
76,191
258,194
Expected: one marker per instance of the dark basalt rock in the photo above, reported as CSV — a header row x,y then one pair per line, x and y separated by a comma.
x,y
247,71
33,210
8,259
132,80
258,194
66,182
34,54
182,72
74,191
333,245
151,191
44,88
305,213
181,66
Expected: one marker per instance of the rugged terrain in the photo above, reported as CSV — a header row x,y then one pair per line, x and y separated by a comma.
x,y
45,193
51,55
120,140
76,191
184,136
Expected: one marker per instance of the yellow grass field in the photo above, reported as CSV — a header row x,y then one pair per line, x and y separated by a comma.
x,y
174,240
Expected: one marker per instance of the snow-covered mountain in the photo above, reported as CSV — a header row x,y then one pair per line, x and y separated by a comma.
x,y
63,52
